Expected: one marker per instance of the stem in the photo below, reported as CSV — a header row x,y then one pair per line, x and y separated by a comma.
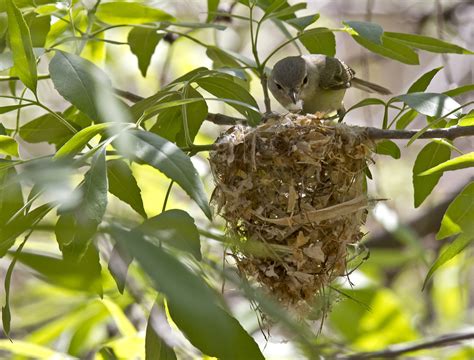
x,y
167,196
15,78
60,118
18,112
266,96
198,148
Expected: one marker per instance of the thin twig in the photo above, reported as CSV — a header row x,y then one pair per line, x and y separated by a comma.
x,y
447,133
396,350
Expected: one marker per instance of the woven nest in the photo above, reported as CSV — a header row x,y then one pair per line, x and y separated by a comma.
x,y
293,194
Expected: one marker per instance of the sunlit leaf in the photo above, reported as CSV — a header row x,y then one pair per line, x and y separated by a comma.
x,y
366,102
25,348
319,41
122,184
80,139
431,104
423,81
390,48
117,13
124,325
142,43
460,162
432,154
460,90
191,302
171,161
406,119
175,228
284,12
39,27
367,30
212,6
22,48
459,218
388,147
8,146
301,23
427,43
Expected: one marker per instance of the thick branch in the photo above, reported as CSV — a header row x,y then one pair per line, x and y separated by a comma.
x,y
396,350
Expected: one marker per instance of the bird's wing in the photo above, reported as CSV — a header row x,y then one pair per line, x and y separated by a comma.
x,y
335,74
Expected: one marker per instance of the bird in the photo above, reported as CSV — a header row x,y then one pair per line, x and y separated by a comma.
x,y
315,84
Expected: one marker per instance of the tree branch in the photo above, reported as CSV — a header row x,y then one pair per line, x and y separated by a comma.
x,y
396,350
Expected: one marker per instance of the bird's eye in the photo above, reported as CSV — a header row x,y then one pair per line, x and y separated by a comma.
x,y
278,86
305,80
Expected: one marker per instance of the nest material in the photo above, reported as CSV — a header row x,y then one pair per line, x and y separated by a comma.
x,y
293,193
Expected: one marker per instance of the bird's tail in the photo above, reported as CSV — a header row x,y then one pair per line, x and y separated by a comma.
x,y
369,87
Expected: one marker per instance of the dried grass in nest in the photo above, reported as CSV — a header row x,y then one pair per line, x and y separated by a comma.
x,y
292,191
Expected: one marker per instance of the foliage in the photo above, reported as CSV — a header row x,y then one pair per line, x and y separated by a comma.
x,y
101,141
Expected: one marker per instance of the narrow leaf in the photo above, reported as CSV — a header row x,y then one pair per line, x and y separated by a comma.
x,y
459,218
122,184
366,102
390,48
319,41
11,197
423,81
427,43
367,30
21,45
80,139
155,347
432,154
301,23
117,13
388,147
460,90
8,146
406,119
45,128
431,104
142,43
212,6
453,249
460,162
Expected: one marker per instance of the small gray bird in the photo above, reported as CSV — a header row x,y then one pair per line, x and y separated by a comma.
x,y
315,83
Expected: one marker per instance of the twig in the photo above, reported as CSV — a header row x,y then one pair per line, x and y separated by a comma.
x,y
447,133
396,350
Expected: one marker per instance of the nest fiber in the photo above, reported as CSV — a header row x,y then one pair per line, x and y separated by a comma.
x,y
293,194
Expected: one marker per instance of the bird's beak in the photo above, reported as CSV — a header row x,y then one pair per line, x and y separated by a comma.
x,y
293,96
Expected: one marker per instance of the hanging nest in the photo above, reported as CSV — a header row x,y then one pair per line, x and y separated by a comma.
x,y
293,194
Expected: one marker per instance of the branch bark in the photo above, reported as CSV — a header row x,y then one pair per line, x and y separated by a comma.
x,y
399,349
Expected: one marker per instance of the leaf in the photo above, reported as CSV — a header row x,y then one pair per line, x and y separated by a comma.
x,y
453,249
22,48
283,12
212,6
225,87
221,58
80,139
390,48
142,43
460,90
11,197
124,325
460,162
431,104
427,43
77,224
423,81
8,146
367,30
175,228
432,154
155,347
191,302
83,275
301,23
319,41
119,261
171,161
117,13
406,119
388,147
45,128
15,227
170,121
76,79
123,185
366,102
467,120
39,27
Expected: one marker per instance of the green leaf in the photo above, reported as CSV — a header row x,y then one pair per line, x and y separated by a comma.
x,y
212,6
8,146
22,48
432,154
117,13
459,218
8,108
175,228
83,275
284,12
171,161
45,128
123,185
119,261
406,119
11,197
388,147
367,30
77,80
221,58
453,249
423,81
301,23
390,48
142,43
319,41
170,121
460,90
191,302
467,120
123,324
431,104
39,27
460,162
427,43
366,102
15,227
80,139
155,347
78,223
225,87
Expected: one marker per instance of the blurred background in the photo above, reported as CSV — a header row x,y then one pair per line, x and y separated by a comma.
x,y
387,305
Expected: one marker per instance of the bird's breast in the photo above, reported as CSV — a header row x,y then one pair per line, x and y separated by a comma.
x,y
321,100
